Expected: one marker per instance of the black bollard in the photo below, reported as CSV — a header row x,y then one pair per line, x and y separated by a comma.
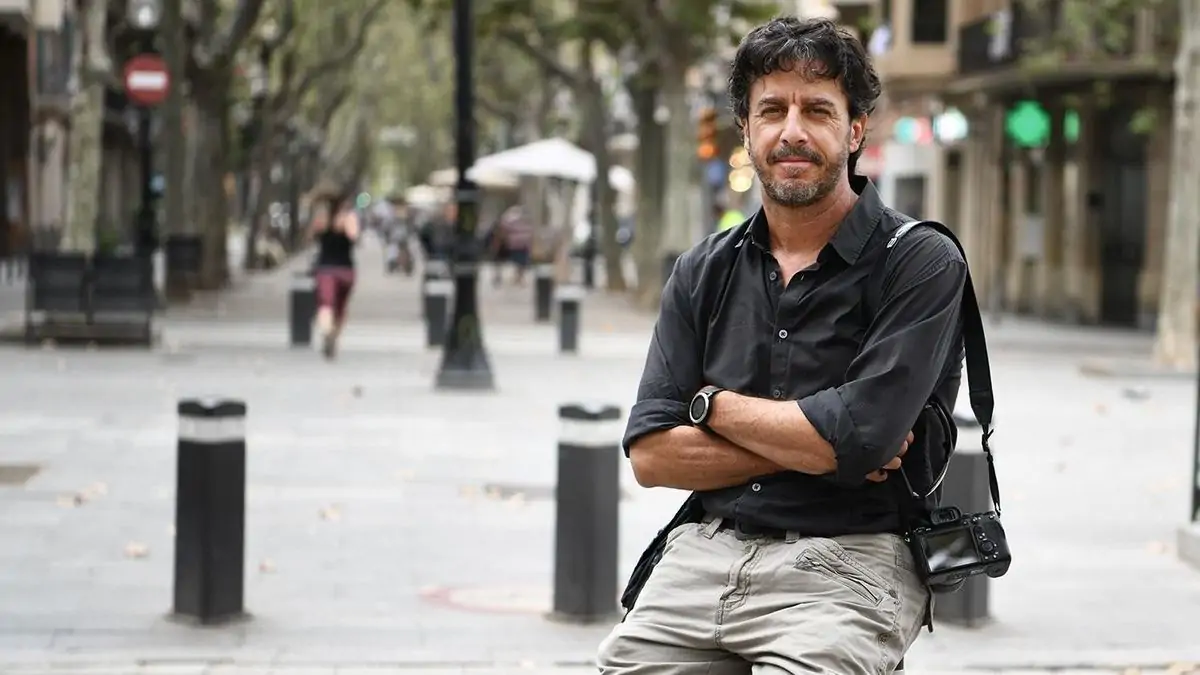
x,y
302,309
570,301
210,511
966,486
437,310
434,270
587,497
543,292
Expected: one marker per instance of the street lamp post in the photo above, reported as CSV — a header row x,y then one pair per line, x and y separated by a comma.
x,y
464,358
144,16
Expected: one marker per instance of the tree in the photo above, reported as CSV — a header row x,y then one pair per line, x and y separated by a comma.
x,y
1177,316
219,33
321,44
92,71
671,36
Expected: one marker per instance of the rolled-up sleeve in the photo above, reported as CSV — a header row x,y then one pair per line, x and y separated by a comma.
x,y
917,328
673,370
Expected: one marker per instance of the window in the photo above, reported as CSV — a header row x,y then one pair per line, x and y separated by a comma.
x,y
929,21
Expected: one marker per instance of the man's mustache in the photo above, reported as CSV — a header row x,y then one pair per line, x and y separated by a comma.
x,y
795,152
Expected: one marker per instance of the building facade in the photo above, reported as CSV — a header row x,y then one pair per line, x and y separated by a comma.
x,y
1057,187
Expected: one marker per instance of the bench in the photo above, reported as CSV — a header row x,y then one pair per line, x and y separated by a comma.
x,y
92,298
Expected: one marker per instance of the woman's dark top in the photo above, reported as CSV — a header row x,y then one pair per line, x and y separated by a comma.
x,y
336,249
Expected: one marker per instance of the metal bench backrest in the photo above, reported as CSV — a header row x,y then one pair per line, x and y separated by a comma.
x,y
122,284
57,282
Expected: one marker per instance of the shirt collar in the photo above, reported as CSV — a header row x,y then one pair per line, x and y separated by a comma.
x,y
851,236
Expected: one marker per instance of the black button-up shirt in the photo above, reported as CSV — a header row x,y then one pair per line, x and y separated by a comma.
x,y
726,319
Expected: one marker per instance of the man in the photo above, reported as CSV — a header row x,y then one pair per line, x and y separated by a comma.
x,y
782,402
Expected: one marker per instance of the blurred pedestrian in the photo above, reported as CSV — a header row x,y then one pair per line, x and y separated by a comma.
x,y
336,230
436,235
512,242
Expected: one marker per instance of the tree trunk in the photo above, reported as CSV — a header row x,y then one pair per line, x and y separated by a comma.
x,y
85,147
210,203
680,158
649,168
259,178
1177,314
175,143
604,216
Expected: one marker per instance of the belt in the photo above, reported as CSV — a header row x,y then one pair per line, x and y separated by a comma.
x,y
743,530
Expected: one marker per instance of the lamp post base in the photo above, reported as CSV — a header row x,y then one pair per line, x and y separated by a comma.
x,y
465,364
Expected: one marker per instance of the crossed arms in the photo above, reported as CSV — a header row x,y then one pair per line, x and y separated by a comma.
x,y
853,432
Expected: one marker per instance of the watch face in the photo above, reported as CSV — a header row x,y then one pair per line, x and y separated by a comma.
x,y
699,409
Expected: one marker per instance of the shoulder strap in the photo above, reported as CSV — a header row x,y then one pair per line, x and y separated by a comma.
x,y
979,372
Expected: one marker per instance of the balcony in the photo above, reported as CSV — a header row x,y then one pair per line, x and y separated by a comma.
x,y
907,65
995,41
1031,39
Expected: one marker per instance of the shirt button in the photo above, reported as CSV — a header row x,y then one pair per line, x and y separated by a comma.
x,y
756,487
777,393
774,276
783,335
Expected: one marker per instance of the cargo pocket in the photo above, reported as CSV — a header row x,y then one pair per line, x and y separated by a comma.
x,y
826,559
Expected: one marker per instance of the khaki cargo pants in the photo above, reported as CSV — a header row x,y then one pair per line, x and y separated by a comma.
x,y
719,605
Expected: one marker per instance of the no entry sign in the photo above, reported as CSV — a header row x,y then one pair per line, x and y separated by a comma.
x,y
147,80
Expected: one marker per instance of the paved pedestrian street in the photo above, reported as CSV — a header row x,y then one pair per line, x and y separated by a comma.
x,y
395,529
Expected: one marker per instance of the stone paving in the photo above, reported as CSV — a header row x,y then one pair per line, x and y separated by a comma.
x,y
392,528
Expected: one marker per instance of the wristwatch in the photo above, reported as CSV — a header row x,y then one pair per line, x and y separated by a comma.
x,y
701,405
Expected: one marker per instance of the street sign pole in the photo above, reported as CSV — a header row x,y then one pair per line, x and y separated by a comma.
x,y
147,82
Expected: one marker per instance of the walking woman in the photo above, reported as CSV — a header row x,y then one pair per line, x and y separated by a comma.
x,y
335,231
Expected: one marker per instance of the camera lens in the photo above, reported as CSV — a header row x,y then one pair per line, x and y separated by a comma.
x,y
987,547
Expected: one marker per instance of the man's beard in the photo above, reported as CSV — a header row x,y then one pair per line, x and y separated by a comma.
x,y
795,192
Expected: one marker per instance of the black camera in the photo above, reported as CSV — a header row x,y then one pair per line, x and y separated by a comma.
x,y
954,547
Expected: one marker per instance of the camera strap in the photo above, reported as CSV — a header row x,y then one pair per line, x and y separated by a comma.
x,y
979,372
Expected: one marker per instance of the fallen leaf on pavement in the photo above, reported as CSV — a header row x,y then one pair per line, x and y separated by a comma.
x,y
70,501
267,566
1157,548
96,489
136,550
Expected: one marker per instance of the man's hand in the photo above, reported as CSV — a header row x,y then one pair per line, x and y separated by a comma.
x,y
880,475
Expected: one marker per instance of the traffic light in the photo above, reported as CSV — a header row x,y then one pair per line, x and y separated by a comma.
x,y
706,148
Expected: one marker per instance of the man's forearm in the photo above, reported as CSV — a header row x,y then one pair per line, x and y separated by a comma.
x,y
688,458
775,430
